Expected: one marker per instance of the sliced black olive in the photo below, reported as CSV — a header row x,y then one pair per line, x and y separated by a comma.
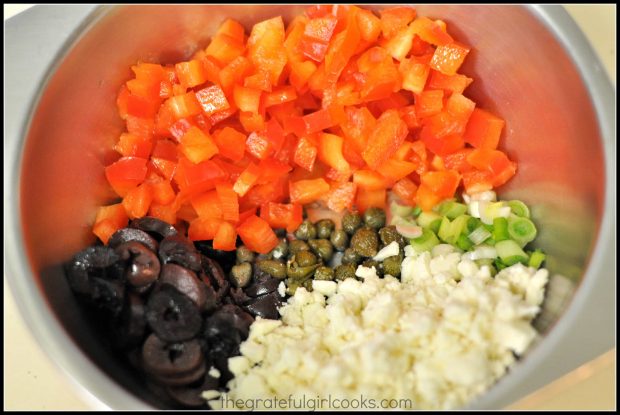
x,y
216,277
183,379
262,287
186,282
178,250
108,295
141,264
132,234
92,262
234,316
191,395
265,306
238,296
172,315
130,328
166,359
153,226
225,258
225,330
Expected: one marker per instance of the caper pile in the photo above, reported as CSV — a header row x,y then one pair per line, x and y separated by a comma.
x,y
318,245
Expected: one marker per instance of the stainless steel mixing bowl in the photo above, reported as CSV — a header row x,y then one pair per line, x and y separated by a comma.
x,y
531,65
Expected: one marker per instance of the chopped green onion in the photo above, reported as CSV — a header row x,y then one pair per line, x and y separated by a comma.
x,y
491,210
473,224
536,259
449,232
425,242
451,209
400,210
519,208
500,229
521,230
464,243
416,211
510,252
479,235
425,219
499,264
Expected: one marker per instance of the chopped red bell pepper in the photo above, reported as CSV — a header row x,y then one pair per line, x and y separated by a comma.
x,y
483,130
257,235
197,145
448,58
212,100
231,143
307,191
126,173
109,219
387,136
225,237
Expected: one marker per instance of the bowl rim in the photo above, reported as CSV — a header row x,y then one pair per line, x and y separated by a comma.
x,y
98,386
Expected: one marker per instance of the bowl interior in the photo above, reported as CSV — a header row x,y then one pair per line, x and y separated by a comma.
x,y
520,71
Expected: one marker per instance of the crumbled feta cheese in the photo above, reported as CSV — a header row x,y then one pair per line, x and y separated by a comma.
x,y
214,373
441,335
389,250
282,289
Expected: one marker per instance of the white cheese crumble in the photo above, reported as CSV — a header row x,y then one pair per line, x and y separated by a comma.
x,y
440,337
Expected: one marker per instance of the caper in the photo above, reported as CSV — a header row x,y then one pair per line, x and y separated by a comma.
x,y
344,271
305,258
324,228
365,242
351,221
262,257
374,217
280,251
291,286
339,240
244,254
306,231
391,265
351,257
389,234
276,269
307,284
369,263
296,272
296,246
241,274
324,274
323,248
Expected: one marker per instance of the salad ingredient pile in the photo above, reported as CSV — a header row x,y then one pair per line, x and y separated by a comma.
x,y
289,219
339,107
169,306
440,336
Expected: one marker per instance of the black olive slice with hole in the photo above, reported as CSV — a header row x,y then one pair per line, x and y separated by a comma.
x,y
262,287
179,250
183,379
92,262
172,315
129,330
265,306
142,266
132,234
154,227
191,395
168,359
225,258
186,281
215,277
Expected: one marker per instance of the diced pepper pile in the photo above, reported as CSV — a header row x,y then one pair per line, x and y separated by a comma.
x,y
339,107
